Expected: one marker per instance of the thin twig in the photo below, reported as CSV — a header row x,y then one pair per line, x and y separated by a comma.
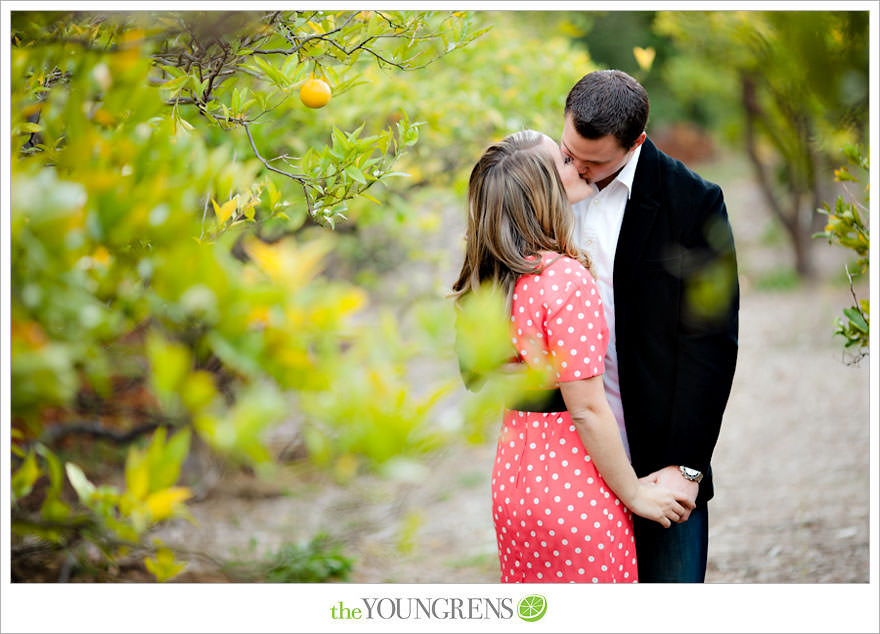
x,y
297,45
204,216
97,430
299,178
856,304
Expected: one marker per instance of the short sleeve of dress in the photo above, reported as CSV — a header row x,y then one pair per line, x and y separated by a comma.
x,y
575,330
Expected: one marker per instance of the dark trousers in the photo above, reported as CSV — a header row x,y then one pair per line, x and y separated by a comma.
x,y
676,554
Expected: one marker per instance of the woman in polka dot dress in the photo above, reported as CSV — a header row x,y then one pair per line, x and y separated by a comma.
x,y
562,487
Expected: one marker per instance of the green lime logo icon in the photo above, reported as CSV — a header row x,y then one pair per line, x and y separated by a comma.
x,y
532,607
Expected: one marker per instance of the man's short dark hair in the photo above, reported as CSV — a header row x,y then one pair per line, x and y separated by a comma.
x,y
608,102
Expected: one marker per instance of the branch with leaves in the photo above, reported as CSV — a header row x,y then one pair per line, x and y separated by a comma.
x,y
197,71
847,228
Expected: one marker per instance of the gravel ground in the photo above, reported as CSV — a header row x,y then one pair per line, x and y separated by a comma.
x,y
791,465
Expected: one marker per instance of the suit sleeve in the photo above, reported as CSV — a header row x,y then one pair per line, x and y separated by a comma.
x,y
708,334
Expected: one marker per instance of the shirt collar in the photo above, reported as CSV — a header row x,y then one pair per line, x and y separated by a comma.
x,y
628,172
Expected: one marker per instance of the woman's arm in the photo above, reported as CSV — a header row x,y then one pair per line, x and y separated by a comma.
x,y
597,428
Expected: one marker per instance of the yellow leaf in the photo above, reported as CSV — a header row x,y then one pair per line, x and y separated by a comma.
x,y
352,301
644,56
198,390
258,316
162,504
267,256
223,212
101,256
370,198
137,473
163,567
285,263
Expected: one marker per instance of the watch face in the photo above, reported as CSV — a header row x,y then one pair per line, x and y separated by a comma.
x,y
691,474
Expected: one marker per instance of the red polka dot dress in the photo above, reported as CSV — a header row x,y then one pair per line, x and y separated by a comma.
x,y
555,518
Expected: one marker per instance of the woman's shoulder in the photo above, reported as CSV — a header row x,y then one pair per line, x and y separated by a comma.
x,y
558,265
556,268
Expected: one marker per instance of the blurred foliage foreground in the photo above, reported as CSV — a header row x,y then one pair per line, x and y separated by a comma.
x,y
172,207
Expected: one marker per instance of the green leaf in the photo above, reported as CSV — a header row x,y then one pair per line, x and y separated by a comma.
x,y
355,174
167,459
856,319
170,363
23,479
84,489
56,472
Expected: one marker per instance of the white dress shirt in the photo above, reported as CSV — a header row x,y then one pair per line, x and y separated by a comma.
x,y
597,226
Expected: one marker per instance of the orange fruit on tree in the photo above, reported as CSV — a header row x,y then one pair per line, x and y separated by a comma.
x,y
315,93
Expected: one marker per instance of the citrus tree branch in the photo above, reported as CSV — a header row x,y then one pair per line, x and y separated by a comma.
x,y
300,178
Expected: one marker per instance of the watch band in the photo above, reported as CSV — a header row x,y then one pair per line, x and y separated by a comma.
x,y
691,474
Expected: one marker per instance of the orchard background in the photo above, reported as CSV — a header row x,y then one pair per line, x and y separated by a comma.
x,y
231,349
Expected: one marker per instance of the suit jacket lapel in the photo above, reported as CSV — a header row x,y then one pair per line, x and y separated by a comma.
x,y
638,219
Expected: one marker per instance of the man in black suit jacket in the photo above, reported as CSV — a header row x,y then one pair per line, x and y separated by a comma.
x,y
674,307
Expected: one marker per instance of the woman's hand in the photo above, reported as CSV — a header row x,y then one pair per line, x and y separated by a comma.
x,y
655,502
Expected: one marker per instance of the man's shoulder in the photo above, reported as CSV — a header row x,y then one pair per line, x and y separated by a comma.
x,y
674,172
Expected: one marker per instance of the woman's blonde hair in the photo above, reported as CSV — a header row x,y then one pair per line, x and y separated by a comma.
x,y
517,207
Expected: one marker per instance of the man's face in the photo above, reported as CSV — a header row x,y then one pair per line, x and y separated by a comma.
x,y
596,160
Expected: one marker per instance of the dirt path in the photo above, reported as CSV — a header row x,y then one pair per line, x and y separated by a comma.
x,y
791,465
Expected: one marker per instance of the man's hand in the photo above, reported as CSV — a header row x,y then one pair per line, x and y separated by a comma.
x,y
684,490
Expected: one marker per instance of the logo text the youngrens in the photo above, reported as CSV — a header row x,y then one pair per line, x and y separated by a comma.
x,y
439,608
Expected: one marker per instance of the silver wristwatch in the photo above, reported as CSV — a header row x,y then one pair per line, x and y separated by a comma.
x,y
691,474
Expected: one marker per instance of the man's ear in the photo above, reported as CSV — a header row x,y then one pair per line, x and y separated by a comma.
x,y
639,141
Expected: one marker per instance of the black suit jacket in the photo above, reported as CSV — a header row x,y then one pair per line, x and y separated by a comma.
x,y
676,298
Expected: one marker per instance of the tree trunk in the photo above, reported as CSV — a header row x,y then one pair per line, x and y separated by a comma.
x,y
796,220
801,237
